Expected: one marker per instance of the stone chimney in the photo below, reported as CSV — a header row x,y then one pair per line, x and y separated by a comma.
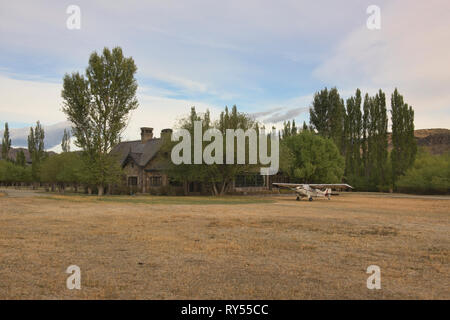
x,y
146,134
166,133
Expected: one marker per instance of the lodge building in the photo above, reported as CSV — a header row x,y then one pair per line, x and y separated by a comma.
x,y
144,168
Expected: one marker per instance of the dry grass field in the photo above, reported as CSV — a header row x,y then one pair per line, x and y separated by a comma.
x,y
230,248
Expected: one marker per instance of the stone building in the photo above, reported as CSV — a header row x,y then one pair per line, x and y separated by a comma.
x,y
144,169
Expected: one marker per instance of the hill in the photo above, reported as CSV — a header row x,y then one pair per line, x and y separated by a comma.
x,y
14,151
436,141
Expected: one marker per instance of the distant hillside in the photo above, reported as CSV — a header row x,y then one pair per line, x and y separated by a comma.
x,y
14,151
436,141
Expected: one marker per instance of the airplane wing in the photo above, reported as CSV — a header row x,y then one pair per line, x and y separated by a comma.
x,y
323,185
331,185
287,185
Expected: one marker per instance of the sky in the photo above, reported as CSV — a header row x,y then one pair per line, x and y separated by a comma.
x,y
266,57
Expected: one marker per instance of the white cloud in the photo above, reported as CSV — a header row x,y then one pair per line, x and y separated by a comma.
x,y
411,52
30,100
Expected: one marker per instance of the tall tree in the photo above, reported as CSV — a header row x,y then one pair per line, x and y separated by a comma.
x,y
354,134
36,149
327,115
319,113
382,141
336,119
294,129
286,131
20,158
376,155
98,104
403,141
65,143
365,152
6,143
305,126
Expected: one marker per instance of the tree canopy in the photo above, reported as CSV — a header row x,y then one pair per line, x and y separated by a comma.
x,y
99,104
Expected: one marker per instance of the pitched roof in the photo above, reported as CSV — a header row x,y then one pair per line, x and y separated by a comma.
x,y
141,153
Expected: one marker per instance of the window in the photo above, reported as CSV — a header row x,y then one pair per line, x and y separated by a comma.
x,y
132,181
155,181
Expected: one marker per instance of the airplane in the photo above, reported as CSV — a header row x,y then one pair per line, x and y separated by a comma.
x,y
305,190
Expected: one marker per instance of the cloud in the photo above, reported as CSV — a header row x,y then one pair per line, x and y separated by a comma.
x,y
53,135
26,101
30,100
278,114
409,52
258,54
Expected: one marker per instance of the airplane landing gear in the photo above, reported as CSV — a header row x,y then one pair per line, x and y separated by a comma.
x,y
310,199
298,198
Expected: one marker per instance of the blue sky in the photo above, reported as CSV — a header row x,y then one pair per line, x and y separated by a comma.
x,y
266,57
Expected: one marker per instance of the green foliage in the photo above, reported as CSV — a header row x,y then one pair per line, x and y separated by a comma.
x,y
310,158
327,115
36,149
98,104
403,141
375,143
66,167
353,139
20,159
217,177
430,174
288,129
6,143
11,173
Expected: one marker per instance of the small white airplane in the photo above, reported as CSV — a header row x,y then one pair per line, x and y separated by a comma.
x,y
309,191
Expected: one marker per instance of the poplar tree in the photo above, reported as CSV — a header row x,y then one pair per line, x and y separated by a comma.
x,y
365,137
354,134
403,141
327,115
319,113
336,117
305,126
6,143
98,105
36,149
294,129
20,159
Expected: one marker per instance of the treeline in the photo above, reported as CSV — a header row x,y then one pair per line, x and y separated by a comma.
x,y
98,104
344,141
359,129
16,171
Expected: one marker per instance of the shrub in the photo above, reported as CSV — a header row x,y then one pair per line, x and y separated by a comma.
x,y
430,174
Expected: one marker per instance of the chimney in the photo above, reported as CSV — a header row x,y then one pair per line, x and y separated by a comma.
x,y
146,134
166,133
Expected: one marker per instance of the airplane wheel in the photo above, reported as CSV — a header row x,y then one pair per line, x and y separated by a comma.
x,y
310,199
298,198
